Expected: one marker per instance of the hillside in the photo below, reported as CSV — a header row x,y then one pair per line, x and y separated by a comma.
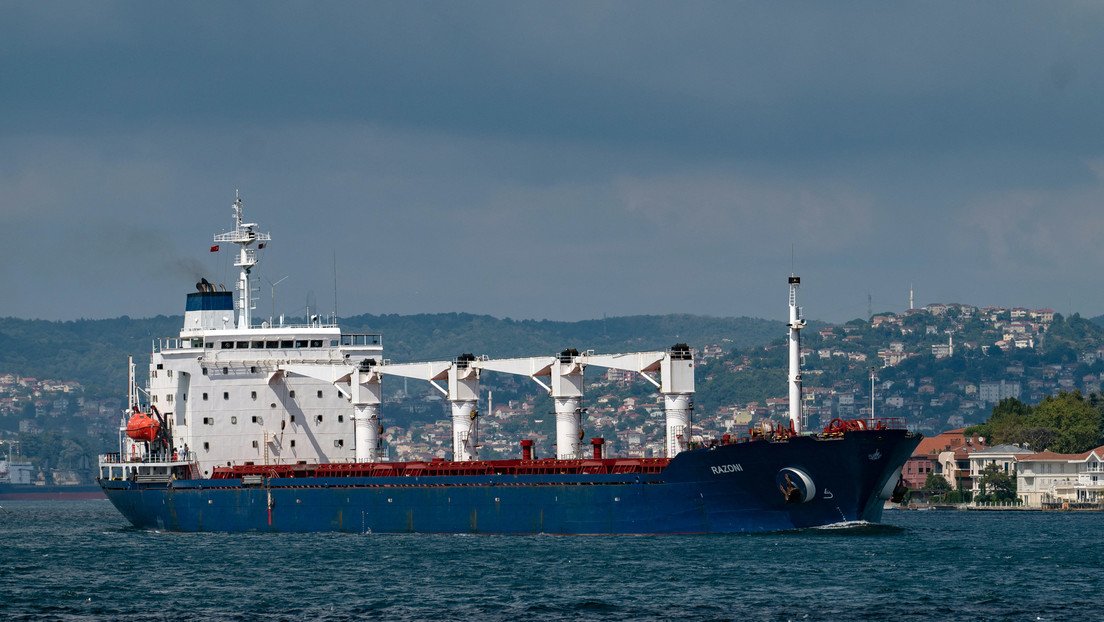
x,y
93,352
443,336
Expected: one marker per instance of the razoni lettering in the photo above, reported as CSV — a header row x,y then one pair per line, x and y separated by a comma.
x,y
726,468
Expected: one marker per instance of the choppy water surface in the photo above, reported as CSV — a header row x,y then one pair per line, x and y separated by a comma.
x,y
79,560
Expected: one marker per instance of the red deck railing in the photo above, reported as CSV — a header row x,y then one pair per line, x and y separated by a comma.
x,y
443,468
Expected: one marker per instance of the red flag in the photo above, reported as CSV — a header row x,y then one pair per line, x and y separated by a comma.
x,y
214,249
259,246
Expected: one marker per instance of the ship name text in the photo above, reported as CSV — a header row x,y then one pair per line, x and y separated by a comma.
x,y
726,468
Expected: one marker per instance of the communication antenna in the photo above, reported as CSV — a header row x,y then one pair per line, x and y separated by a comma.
x,y
272,317
335,286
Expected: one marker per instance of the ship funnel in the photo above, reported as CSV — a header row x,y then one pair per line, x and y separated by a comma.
x,y
208,309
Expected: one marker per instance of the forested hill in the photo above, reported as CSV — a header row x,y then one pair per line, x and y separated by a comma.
x,y
93,352
443,336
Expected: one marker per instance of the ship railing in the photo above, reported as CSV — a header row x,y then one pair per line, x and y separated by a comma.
x,y
837,427
178,457
548,466
170,343
243,234
285,355
165,344
306,342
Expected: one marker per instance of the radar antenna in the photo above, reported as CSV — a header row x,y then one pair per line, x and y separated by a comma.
x,y
244,235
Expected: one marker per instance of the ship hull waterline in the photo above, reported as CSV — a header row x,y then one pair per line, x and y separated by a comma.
x,y
722,489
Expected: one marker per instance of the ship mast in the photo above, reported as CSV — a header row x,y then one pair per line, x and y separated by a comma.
x,y
244,235
796,324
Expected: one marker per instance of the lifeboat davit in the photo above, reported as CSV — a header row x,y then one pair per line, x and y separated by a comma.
x,y
142,427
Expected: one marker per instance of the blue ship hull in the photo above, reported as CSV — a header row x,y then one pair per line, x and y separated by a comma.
x,y
723,489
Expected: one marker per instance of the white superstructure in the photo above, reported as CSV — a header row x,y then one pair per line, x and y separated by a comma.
x,y
224,388
15,471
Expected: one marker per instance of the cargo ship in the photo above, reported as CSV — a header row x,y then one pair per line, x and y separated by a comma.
x,y
276,427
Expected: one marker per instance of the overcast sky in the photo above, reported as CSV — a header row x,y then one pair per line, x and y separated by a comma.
x,y
558,160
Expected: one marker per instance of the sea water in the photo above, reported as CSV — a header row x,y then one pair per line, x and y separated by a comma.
x,y
79,560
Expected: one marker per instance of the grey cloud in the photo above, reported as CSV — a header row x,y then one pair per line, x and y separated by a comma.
x,y
556,160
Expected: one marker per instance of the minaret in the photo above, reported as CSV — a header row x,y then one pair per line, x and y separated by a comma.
x,y
796,324
912,301
244,236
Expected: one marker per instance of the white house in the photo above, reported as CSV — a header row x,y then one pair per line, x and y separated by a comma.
x,y
1004,456
1048,477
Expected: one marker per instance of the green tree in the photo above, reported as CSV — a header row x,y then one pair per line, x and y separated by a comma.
x,y
1001,486
1006,423
937,482
1075,421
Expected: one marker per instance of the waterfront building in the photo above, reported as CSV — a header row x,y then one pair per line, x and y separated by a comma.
x,y
945,454
1004,456
1049,477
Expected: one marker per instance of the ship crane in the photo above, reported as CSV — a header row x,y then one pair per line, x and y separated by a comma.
x,y
565,386
676,383
462,392
361,383
675,368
